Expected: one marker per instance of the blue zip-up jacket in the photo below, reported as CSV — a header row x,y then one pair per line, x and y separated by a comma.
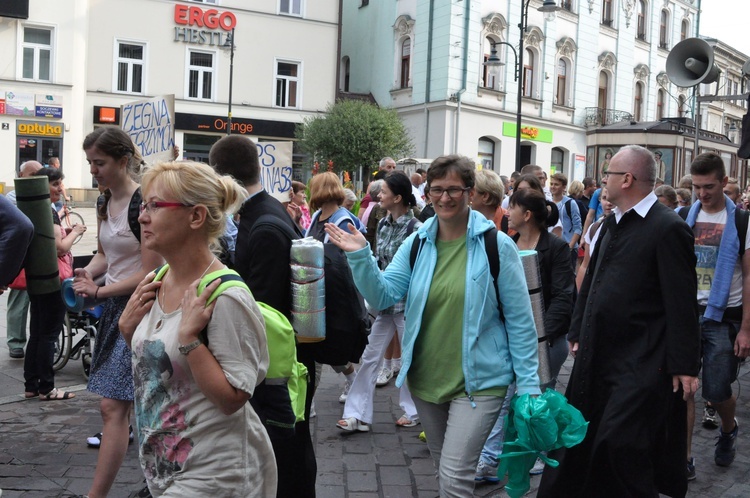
x,y
488,358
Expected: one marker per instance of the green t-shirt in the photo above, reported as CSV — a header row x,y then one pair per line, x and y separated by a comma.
x,y
435,374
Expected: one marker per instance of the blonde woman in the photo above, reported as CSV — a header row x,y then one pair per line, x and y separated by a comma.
x,y
198,434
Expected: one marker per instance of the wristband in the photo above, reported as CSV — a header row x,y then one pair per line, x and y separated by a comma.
x,y
96,293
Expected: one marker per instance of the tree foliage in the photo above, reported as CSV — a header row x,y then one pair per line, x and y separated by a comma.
x,y
353,134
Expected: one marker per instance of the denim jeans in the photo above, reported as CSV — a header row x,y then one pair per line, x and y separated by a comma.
x,y
455,432
47,315
17,313
719,362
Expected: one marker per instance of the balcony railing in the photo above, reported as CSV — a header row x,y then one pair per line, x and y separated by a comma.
x,y
597,116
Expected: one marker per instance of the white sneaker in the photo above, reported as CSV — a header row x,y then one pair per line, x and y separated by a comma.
x,y
345,392
538,467
384,377
486,472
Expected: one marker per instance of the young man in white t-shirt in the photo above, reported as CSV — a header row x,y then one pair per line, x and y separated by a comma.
x,y
725,333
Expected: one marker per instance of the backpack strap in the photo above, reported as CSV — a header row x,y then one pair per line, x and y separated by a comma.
x,y
504,224
416,246
741,219
568,209
493,258
134,210
411,225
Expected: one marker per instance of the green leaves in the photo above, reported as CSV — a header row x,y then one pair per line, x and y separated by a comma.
x,y
353,134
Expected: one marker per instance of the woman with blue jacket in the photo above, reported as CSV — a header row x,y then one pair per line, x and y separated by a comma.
x,y
459,355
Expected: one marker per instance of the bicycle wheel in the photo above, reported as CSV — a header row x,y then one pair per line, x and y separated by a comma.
x,y
73,218
88,350
63,344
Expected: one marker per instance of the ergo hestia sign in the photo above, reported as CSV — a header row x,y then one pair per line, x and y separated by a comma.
x,y
196,18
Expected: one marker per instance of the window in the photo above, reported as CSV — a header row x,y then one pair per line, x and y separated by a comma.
x,y
562,74
345,76
37,54
567,5
641,26
638,101
489,74
684,29
603,90
405,63
287,84
660,105
663,23
365,3
528,74
486,153
557,160
201,73
129,67
290,7
607,12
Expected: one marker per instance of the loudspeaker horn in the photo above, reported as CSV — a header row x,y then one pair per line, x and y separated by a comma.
x,y
691,62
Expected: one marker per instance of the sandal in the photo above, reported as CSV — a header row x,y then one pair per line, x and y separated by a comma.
x,y
95,441
351,424
56,395
405,421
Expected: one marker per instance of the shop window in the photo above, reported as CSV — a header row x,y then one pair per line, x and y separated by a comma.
x,y
129,62
201,75
486,153
287,84
557,160
36,54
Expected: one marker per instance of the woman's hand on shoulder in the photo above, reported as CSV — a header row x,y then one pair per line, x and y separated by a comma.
x,y
344,240
140,303
195,313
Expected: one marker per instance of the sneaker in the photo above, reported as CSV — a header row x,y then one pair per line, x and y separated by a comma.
x,y
345,392
95,441
710,419
384,377
486,472
538,467
725,450
691,469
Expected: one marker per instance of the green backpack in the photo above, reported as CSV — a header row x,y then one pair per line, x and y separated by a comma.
x,y
281,403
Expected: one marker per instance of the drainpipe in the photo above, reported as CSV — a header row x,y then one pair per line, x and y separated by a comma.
x,y
429,78
467,20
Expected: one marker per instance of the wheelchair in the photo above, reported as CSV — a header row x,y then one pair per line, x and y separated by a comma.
x,y
78,333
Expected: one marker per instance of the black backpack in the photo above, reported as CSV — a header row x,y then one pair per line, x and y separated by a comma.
x,y
347,322
134,210
741,218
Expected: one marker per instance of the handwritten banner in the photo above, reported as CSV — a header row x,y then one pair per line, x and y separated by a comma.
x,y
276,168
150,123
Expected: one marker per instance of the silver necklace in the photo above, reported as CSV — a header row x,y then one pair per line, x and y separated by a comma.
x,y
160,322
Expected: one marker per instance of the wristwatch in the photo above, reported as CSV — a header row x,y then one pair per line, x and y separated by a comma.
x,y
189,347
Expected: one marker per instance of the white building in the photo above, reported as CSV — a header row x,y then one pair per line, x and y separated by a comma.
x,y
598,62
73,63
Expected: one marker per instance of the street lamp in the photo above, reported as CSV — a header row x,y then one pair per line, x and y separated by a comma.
x,y
549,7
229,43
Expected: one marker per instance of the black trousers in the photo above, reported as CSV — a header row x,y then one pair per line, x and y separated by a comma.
x,y
47,313
295,456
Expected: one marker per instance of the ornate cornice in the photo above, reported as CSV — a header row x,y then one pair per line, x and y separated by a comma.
x,y
566,47
608,61
404,25
641,72
495,24
628,6
662,79
534,37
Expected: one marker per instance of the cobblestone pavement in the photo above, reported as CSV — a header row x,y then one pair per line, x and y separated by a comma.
x,y
43,449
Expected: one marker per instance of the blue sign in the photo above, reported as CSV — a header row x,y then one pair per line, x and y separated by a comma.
x,y
46,111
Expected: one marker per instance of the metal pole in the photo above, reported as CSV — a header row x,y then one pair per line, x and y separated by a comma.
x,y
697,119
231,77
519,69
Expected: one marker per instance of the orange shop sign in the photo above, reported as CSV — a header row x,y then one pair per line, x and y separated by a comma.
x,y
192,15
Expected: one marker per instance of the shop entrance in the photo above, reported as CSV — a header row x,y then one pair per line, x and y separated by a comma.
x,y
40,149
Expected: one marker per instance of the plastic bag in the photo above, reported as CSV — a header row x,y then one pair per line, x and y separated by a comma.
x,y
533,427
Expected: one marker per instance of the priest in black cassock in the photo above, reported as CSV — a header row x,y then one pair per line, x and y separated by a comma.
x,y
636,344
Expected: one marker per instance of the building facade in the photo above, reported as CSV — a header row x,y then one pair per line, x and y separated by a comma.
x,y
74,63
598,62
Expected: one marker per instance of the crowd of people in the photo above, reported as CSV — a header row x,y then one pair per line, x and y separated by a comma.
x,y
437,257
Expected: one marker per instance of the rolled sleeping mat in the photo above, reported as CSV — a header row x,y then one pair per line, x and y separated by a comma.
x,y
76,302
32,196
530,261
308,290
